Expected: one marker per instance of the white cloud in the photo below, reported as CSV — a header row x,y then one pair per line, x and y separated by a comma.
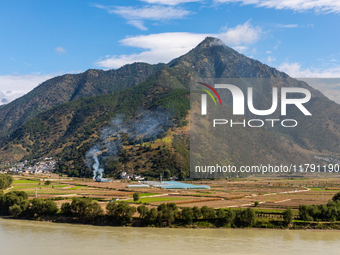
x,y
60,50
287,26
326,80
153,12
271,59
268,52
329,87
241,33
240,49
326,6
169,2
164,47
138,24
294,70
14,86
136,15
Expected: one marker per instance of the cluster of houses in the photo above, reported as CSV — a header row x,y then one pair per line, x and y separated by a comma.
x,y
328,159
47,165
126,176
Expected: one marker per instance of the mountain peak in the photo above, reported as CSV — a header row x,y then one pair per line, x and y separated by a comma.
x,y
211,41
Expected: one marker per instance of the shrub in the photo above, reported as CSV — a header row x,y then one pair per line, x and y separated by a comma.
x,y
15,210
11,198
47,183
66,209
111,208
208,212
51,207
151,216
136,196
85,208
5,181
336,197
181,176
187,214
166,212
246,217
167,174
196,213
230,216
288,216
143,211
124,212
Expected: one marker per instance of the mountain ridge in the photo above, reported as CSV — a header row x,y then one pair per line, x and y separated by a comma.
x,y
70,87
59,131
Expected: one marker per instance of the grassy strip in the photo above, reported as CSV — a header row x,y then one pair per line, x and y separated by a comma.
x,y
77,187
155,199
147,194
24,181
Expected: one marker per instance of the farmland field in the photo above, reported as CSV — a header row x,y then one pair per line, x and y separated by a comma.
x,y
272,194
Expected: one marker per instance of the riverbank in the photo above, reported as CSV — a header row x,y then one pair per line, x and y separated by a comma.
x,y
201,224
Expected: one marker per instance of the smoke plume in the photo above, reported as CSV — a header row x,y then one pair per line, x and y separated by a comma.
x,y
146,126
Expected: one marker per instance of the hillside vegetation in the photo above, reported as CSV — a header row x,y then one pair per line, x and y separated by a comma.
x,y
68,120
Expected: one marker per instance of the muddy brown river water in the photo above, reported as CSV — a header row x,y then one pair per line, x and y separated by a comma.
x,y
35,238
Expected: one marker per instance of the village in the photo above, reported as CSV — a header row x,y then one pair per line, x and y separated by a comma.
x,y
40,166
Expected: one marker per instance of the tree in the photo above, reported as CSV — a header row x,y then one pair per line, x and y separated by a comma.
x,y
249,216
111,208
220,214
152,215
256,203
136,196
187,214
15,210
124,212
303,213
288,216
11,198
167,174
336,197
143,211
196,213
96,210
245,217
85,208
208,212
205,212
47,183
166,212
230,216
66,209
181,176
37,206
51,207
5,181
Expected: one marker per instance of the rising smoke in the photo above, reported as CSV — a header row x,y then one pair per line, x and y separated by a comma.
x,y
97,171
146,126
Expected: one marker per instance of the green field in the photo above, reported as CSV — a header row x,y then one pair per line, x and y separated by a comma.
x,y
26,187
77,187
24,181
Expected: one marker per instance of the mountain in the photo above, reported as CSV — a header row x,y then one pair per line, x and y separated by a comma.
x,y
70,129
211,58
70,87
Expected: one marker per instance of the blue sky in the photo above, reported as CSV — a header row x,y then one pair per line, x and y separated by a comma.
x,y
42,39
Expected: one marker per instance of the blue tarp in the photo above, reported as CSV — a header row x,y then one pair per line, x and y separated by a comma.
x,y
175,185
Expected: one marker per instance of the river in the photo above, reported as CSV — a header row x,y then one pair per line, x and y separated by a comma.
x,y
35,238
